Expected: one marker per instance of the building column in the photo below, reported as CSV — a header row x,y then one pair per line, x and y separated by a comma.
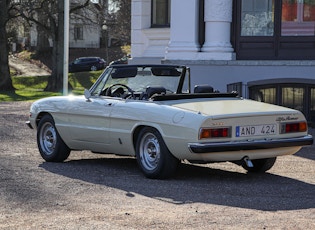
x,y
183,42
218,18
140,20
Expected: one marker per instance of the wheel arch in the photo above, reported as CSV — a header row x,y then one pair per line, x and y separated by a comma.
x,y
152,154
138,129
40,116
51,146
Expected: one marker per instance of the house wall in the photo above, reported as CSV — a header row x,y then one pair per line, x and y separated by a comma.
x,y
91,32
213,62
220,73
91,37
147,44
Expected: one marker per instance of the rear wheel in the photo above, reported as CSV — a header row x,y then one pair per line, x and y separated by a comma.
x,y
50,145
260,165
153,157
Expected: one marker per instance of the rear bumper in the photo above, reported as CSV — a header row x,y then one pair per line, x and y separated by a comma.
x,y
249,145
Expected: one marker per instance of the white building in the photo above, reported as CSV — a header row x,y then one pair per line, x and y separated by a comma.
x,y
84,29
264,49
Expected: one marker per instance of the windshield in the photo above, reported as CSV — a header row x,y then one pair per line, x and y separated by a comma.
x,y
139,78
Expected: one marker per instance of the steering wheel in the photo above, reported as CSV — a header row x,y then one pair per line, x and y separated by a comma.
x,y
109,89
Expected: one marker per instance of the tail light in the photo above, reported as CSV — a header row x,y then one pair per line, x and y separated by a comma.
x,y
293,127
205,133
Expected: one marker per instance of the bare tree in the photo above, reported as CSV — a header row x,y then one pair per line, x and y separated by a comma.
x,y
48,15
122,17
5,78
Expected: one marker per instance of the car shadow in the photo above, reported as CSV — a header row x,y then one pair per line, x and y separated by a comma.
x,y
308,151
193,184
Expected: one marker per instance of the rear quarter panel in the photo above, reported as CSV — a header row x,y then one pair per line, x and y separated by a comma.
x,y
176,126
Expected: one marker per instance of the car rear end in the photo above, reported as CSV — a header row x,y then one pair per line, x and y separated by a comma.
x,y
101,63
235,128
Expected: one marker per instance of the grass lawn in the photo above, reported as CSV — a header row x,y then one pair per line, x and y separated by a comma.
x,y
32,88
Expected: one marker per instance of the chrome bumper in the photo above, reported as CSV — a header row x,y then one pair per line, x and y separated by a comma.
x,y
249,145
28,123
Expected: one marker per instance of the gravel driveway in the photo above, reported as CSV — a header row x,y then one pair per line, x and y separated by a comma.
x,y
25,68
91,191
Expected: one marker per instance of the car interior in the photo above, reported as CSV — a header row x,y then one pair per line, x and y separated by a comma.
x,y
155,83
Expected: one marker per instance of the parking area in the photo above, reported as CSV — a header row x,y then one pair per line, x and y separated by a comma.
x,y
92,191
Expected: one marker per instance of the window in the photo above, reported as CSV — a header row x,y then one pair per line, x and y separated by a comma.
x,y
292,97
298,18
78,32
312,107
161,13
257,18
267,95
274,29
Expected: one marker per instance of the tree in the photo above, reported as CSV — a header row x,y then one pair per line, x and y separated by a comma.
x,y
48,16
5,78
123,20
34,11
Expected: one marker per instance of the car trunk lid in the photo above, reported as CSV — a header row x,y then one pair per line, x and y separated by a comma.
x,y
229,108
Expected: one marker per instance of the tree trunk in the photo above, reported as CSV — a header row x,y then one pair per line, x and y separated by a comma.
x,y
5,78
55,81
42,35
42,41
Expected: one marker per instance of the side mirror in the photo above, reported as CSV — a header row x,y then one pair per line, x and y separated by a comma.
x,y
87,94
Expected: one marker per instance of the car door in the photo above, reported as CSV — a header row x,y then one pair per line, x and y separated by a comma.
x,y
124,116
89,62
89,123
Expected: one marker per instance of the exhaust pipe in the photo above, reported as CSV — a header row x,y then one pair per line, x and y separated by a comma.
x,y
248,162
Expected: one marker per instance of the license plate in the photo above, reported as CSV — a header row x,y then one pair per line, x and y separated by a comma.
x,y
256,130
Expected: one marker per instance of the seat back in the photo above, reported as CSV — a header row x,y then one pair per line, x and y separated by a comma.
x,y
203,89
151,90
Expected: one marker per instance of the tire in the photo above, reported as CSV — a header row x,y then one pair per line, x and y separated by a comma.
x,y
93,68
260,165
50,145
153,157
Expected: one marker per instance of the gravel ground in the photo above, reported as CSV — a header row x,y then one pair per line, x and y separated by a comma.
x,y
91,191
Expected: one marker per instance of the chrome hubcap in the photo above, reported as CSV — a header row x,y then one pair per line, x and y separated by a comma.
x,y
150,151
48,138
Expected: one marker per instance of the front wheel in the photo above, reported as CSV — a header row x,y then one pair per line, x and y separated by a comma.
x,y
153,156
50,145
260,165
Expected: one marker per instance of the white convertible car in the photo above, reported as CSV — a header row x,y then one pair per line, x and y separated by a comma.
x,y
149,111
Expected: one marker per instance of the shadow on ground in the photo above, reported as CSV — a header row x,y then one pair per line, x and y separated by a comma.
x,y
193,184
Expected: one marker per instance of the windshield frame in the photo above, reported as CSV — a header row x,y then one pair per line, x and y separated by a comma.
x,y
97,88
